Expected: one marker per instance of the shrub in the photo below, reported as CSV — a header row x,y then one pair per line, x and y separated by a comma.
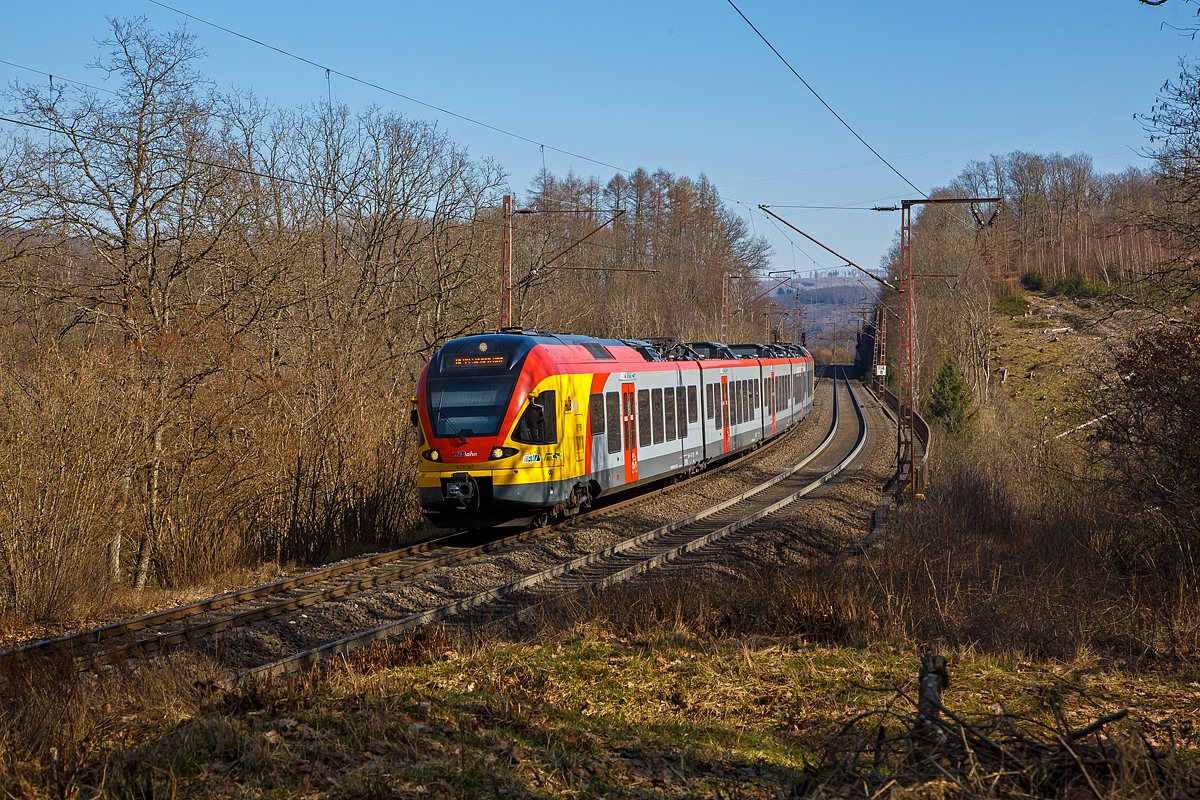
x,y
1144,442
1033,281
950,398
1074,286
1012,305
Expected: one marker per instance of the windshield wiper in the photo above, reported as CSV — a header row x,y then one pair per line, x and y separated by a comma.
x,y
461,439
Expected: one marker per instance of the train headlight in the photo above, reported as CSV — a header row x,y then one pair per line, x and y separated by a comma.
x,y
502,452
433,455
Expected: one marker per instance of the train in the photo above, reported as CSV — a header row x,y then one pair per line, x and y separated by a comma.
x,y
523,427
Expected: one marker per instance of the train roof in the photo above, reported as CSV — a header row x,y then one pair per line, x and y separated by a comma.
x,y
502,349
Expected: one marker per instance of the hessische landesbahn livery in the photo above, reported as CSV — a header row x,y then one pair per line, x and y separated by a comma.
x,y
521,427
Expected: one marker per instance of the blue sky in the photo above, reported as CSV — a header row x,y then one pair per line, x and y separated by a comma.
x,y
690,88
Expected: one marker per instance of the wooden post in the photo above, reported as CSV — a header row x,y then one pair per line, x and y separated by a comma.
x,y
934,678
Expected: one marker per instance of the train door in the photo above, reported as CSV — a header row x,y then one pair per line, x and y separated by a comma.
x,y
630,431
772,401
725,410
581,441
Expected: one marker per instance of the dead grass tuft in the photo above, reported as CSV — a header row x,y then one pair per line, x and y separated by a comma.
x,y
993,756
420,646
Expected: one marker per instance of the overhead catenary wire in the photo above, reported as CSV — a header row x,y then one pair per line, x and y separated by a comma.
x,y
325,187
328,72
866,272
838,116
386,90
395,93
825,208
60,77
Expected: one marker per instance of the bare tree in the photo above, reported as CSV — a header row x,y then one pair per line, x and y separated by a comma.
x,y
1174,128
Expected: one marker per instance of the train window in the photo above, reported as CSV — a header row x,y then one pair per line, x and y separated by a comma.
x,y
757,399
468,406
539,423
693,406
529,426
765,392
656,403
682,414
597,350
751,393
643,413
547,400
669,413
627,416
596,413
743,412
708,396
612,405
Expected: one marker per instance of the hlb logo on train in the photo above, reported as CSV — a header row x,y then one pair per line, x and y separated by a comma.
x,y
532,458
465,454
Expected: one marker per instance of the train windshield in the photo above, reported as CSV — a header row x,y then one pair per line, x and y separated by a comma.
x,y
468,406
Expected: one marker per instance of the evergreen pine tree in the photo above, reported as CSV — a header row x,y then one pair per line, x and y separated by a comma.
x,y
950,398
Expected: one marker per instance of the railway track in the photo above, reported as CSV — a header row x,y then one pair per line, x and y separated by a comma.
x,y
633,556
170,628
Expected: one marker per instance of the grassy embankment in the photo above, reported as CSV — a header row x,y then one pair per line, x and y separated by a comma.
x,y
750,686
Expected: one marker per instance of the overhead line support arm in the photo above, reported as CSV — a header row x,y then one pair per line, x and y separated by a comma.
x,y
868,273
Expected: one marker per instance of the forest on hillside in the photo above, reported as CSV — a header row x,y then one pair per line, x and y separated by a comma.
x,y
1060,224
213,311
1122,248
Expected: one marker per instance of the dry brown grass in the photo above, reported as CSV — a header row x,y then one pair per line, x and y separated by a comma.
x,y
57,726
1002,558
94,503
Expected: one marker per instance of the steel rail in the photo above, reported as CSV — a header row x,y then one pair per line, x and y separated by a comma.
x,y
702,541
104,635
315,655
103,645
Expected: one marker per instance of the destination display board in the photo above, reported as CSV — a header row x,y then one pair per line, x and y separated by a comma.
x,y
478,361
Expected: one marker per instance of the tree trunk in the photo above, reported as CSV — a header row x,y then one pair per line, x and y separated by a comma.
x,y
114,547
151,541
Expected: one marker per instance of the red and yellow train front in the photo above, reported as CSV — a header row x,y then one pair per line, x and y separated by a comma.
x,y
502,432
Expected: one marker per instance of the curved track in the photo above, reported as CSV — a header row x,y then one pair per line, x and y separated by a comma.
x,y
633,556
163,630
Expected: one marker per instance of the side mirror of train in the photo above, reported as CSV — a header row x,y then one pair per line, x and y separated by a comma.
x,y
415,417
536,424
